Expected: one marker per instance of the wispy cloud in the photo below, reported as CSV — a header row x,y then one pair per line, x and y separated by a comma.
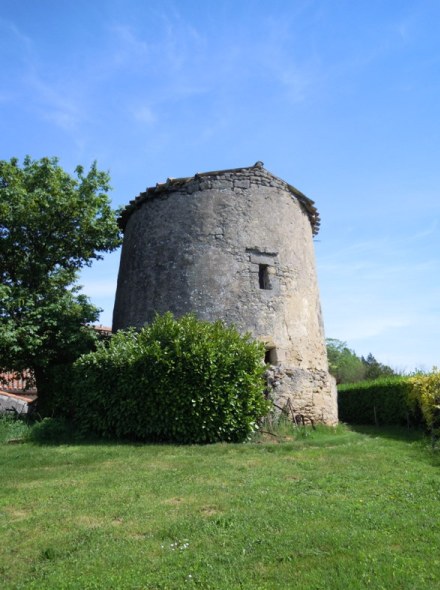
x,y
144,114
295,78
49,96
371,289
128,50
14,39
55,104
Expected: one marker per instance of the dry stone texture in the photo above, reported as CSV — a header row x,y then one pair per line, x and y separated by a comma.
x,y
235,245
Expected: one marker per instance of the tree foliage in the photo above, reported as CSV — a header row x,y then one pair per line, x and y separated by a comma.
x,y
51,225
344,365
347,367
374,369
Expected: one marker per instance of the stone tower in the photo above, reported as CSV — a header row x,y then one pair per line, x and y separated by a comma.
x,y
235,245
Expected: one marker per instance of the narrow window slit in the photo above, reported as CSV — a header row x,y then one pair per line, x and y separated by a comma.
x,y
263,276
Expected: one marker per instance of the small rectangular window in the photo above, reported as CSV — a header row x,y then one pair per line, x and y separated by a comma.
x,y
270,358
263,276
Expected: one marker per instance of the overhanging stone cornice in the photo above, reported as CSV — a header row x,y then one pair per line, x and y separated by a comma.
x,y
257,170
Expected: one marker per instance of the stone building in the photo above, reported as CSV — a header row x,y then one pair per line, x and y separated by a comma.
x,y
235,245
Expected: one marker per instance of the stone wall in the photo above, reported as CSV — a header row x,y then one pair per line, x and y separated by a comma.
x,y
235,245
317,401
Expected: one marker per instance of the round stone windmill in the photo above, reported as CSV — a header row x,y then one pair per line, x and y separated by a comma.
x,y
235,245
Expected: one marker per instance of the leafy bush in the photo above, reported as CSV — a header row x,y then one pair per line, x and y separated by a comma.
x,y
180,380
381,401
53,431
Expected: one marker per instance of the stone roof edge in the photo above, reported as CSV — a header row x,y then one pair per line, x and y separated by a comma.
x,y
150,192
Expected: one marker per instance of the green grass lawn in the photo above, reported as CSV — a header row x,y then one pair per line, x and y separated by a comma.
x,y
338,509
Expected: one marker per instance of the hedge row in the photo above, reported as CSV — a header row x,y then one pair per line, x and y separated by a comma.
x,y
381,401
178,380
411,401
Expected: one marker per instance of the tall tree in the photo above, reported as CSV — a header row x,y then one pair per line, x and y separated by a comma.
x,y
347,367
374,369
344,364
51,225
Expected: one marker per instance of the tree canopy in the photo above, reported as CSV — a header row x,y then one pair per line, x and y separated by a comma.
x,y
51,225
347,367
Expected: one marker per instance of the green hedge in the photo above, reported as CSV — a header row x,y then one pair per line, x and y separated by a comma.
x,y
179,380
381,402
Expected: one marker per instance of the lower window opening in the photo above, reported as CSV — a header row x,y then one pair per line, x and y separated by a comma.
x,y
270,357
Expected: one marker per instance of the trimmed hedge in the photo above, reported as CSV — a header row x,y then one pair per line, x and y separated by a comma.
x,y
178,380
381,402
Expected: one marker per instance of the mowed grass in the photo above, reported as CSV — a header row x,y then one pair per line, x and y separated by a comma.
x,y
337,509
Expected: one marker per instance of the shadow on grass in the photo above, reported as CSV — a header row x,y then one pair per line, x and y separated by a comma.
x,y
58,431
48,432
401,433
417,437
52,431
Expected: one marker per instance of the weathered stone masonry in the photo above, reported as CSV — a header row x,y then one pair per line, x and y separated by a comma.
x,y
235,245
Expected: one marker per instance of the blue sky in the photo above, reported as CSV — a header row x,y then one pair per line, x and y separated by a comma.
x,y
340,98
